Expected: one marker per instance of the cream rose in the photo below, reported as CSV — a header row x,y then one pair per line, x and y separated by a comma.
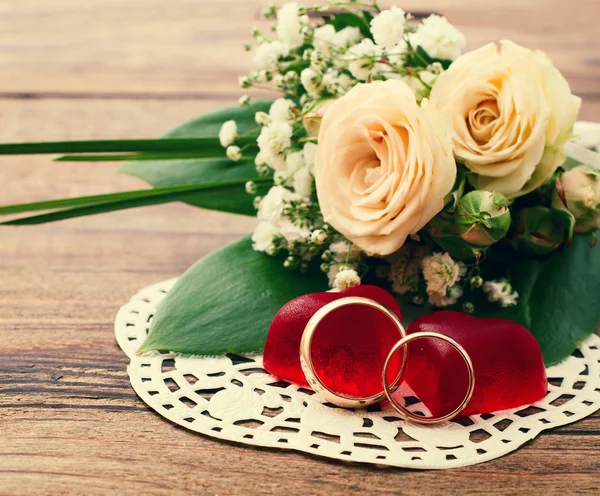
x,y
511,112
383,165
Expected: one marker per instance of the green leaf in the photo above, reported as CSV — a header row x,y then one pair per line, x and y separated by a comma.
x,y
97,204
162,173
360,20
225,303
198,143
558,297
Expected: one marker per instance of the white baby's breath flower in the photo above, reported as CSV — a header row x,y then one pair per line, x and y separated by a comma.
x,y
262,118
324,39
362,59
388,27
311,80
263,235
303,182
250,187
290,24
234,153
318,236
244,100
293,233
309,151
345,279
280,110
273,141
347,37
439,38
228,133
267,55
272,204
501,292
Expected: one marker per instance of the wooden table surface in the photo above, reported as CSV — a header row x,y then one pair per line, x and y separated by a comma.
x,y
69,421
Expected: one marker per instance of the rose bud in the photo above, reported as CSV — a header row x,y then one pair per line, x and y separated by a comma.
x,y
540,230
578,191
312,120
482,217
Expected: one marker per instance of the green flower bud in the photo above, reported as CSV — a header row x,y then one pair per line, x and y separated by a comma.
x,y
540,230
476,282
482,217
291,262
468,307
418,300
578,191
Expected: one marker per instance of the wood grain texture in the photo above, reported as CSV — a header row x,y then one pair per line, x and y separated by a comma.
x,y
69,421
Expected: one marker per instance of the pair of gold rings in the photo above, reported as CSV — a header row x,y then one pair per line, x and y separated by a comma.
x,y
388,388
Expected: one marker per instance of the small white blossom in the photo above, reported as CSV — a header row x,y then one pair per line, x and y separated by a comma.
x,y
439,38
267,55
250,187
311,80
347,37
309,151
280,110
262,118
244,100
441,274
303,182
290,24
396,53
388,27
362,59
450,298
259,160
501,292
273,141
272,204
243,81
228,133
318,237
292,232
324,39
345,279
234,153
262,238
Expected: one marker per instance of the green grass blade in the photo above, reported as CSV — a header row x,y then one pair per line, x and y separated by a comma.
x,y
116,146
90,205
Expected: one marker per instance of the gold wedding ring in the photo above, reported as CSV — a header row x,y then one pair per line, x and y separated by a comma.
x,y
389,389
306,353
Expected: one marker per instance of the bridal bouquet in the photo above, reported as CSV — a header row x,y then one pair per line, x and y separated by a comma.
x,y
389,158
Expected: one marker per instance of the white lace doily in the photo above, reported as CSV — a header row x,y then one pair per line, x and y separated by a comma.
x,y
234,398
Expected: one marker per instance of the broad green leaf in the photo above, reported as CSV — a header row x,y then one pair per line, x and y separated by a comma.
x,y
558,297
225,303
194,171
92,205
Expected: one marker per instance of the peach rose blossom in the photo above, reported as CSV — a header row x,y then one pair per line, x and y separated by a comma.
x,y
511,112
383,165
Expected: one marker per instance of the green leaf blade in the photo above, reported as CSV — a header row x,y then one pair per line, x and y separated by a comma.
x,y
225,303
160,173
